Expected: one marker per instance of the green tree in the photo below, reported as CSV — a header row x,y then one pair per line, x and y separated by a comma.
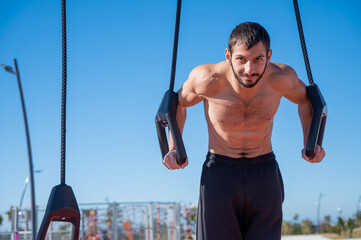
x,y
286,228
307,227
325,226
340,225
358,219
1,219
192,215
9,213
351,226
296,227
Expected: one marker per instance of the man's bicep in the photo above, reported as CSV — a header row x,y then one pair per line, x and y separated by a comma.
x,y
297,93
187,96
194,89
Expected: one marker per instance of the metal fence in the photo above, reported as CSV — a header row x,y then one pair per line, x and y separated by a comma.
x,y
113,221
5,236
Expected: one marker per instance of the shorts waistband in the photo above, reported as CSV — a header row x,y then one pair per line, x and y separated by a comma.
x,y
244,161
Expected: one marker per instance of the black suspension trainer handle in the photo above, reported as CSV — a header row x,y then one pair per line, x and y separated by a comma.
x,y
318,104
167,117
318,122
167,112
62,207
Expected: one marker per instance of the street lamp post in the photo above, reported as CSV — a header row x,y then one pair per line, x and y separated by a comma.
x,y
31,168
23,194
26,185
339,210
27,180
318,211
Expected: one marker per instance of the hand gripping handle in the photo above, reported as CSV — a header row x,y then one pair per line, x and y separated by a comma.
x,y
62,206
318,122
167,117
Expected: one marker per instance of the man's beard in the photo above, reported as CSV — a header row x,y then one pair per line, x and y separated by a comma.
x,y
244,84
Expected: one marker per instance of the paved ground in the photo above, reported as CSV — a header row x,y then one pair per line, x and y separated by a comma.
x,y
304,237
309,237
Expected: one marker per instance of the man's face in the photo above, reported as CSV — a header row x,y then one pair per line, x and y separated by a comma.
x,y
248,65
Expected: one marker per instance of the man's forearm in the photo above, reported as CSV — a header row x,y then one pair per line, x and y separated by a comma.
x,y
181,118
305,114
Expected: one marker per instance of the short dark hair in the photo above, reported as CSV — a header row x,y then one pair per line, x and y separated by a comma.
x,y
249,33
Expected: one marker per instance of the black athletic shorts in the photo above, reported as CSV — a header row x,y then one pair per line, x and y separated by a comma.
x,y
240,199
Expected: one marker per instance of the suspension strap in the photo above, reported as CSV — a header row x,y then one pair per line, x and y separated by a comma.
x,y
63,95
62,205
175,45
303,43
318,104
167,111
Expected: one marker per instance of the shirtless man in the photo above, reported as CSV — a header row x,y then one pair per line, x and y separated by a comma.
x,y
241,191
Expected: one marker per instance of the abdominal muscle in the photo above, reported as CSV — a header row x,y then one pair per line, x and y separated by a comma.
x,y
243,143
238,132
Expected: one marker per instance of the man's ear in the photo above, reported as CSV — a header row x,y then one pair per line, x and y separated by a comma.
x,y
227,53
269,55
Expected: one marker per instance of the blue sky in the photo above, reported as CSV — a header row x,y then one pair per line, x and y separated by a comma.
x,y
119,59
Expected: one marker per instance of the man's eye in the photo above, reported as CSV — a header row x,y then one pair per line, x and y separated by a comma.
x,y
258,59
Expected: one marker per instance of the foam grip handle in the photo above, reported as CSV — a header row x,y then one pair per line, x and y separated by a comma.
x,y
167,117
62,206
318,122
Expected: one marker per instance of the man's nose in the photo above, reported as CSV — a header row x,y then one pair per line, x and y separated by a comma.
x,y
249,68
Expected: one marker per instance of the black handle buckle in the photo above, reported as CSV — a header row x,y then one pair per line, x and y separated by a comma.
x,y
167,117
62,207
318,123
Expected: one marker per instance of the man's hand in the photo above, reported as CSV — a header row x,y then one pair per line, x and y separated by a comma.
x,y
319,155
170,161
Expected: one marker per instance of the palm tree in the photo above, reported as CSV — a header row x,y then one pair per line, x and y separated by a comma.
x,y
9,213
340,225
351,226
325,225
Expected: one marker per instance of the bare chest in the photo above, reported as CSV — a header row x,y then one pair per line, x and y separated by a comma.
x,y
232,113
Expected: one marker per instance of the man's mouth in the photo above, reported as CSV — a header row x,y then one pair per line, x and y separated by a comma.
x,y
248,77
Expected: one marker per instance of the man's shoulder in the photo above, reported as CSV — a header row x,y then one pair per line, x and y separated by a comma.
x,y
209,71
282,69
208,78
282,76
